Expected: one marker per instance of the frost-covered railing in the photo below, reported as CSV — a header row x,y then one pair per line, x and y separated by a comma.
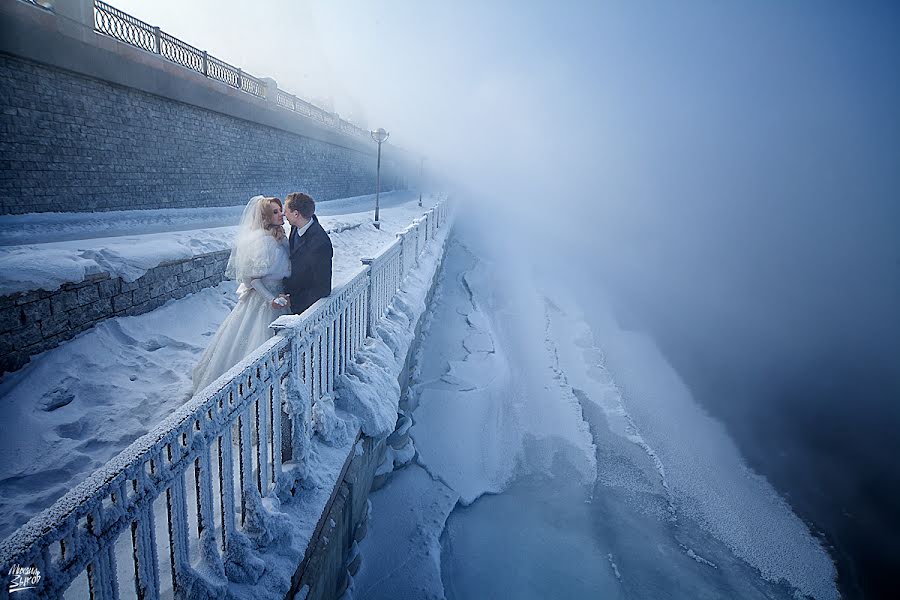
x,y
385,274
408,250
174,512
115,23
421,228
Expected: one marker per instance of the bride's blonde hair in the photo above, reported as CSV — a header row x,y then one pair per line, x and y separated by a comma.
x,y
275,230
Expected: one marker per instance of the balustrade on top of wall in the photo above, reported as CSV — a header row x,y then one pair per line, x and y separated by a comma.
x,y
108,20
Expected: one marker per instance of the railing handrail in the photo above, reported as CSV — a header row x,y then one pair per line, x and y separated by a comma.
x,y
154,36
385,255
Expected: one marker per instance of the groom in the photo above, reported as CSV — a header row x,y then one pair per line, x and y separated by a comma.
x,y
311,253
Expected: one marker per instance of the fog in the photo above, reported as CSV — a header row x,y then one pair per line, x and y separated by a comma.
x,y
729,174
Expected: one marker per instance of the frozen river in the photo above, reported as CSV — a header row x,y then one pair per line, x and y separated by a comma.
x,y
562,460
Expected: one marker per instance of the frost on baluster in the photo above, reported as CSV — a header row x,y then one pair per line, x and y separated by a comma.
x,y
195,585
264,524
369,389
331,428
242,565
211,561
297,407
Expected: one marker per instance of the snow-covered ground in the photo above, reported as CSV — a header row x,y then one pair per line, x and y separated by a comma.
x,y
74,407
560,456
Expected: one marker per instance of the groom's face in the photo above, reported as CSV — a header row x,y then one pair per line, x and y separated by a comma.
x,y
293,217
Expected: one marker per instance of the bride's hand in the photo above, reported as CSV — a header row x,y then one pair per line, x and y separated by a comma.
x,y
282,301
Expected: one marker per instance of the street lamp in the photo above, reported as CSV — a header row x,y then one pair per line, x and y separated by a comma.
x,y
380,136
421,170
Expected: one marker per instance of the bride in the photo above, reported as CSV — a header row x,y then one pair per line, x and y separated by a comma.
x,y
259,261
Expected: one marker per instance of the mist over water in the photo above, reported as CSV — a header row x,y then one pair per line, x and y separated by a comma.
x,y
746,214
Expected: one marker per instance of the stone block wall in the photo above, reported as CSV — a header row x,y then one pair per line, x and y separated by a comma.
x,y
74,143
35,321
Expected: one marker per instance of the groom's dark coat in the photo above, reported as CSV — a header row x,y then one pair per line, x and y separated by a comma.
x,y
310,277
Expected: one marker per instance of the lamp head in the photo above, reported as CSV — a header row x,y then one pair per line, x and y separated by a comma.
x,y
380,135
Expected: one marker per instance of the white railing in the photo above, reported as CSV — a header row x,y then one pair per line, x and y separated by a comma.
x,y
385,273
204,470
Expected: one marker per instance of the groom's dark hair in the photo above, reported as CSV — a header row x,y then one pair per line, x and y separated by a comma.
x,y
301,202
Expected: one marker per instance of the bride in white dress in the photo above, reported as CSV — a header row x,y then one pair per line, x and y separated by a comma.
x,y
259,261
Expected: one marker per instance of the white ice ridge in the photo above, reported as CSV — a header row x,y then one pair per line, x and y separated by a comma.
x,y
471,426
705,474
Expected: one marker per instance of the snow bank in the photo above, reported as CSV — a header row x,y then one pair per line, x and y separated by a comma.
x,y
369,389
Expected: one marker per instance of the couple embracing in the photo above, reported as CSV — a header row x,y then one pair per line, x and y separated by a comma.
x,y
278,274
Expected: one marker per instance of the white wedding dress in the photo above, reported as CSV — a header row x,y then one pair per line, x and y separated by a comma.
x,y
259,262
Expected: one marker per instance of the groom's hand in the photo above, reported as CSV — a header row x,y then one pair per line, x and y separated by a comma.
x,y
282,301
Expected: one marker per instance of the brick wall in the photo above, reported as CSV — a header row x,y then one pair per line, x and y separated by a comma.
x,y
69,142
32,322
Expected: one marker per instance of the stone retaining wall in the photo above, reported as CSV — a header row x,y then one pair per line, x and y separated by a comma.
x,y
88,123
35,321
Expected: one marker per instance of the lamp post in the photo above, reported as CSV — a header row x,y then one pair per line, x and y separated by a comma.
x,y
380,136
421,171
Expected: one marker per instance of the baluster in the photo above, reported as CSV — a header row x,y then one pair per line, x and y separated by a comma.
x,y
319,366
102,578
332,353
335,354
309,379
146,565
385,289
206,521
354,324
262,432
176,505
362,330
246,459
345,338
226,485
275,407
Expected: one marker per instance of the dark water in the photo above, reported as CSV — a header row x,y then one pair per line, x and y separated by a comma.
x,y
821,428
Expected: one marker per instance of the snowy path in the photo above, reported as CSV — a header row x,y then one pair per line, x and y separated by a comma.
x,y
42,228
516,403
43,251
74,407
